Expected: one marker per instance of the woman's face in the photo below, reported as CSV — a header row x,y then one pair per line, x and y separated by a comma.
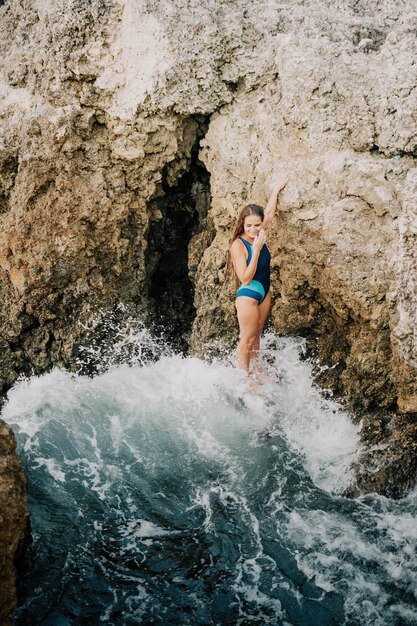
x,y
252,224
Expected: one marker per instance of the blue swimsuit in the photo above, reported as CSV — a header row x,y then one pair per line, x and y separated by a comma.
x,y
259,285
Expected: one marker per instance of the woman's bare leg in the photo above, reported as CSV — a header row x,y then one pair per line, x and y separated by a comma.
x,y
263,308
248,318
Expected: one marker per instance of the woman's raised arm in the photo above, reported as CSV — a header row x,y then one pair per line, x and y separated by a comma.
x,y
273,199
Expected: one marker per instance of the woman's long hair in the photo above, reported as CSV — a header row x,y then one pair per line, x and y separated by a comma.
x,y
249,209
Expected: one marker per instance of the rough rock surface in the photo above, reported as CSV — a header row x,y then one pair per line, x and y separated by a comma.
x,y
103,107
13,511
340,120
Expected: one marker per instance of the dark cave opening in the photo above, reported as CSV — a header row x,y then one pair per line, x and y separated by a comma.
x,y
184,209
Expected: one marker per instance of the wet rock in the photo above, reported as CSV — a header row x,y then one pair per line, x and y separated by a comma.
x,y
387,460
13,512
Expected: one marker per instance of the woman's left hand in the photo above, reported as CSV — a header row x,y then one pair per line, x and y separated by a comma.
x,y
259,241
280,183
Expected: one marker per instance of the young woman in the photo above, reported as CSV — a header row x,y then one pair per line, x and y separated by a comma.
x,y
251,261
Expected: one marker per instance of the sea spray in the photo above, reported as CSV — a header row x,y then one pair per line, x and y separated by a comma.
x,y
163,492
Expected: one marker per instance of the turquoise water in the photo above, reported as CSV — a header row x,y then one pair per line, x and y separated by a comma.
x,y
163,492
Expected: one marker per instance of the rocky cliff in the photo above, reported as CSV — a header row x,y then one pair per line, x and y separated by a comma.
x,y
133,132
13,513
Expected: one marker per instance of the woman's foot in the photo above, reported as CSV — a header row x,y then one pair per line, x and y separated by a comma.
x,y
261,374
253,385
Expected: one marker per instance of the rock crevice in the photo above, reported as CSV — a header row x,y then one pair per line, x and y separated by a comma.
x,y
182,209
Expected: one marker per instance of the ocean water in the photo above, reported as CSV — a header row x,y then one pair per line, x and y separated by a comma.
x,y
162,491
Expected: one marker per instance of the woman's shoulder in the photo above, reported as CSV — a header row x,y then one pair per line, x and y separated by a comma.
x,y
238,246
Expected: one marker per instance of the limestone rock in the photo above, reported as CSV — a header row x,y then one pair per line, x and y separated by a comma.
x,y
341,124
13,512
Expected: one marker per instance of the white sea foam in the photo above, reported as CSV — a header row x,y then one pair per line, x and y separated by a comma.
x,y
149,454
315,426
